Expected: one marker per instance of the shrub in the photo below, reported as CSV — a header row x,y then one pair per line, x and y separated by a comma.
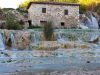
x,y
0,10
48,31
97,8
22,10
82,9
11,22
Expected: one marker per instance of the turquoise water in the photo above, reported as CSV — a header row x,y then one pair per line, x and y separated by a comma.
x,y
72,59
60,59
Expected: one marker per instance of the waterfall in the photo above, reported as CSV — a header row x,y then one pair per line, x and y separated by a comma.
x,y
13,43
2,45
35,37
89,21
83,26
92,22
61,38
94,36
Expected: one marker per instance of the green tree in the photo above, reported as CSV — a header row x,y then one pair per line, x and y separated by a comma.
x,y
11,22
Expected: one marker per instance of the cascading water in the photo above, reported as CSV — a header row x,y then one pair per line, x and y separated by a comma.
x,y
95,22
2,45
60,57
61,38
94,36
89,22
35,38
92,22
13,43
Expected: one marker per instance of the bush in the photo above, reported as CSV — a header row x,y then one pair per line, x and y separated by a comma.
x,y
0,10
97,8
82,9
48,31
11,22
22,10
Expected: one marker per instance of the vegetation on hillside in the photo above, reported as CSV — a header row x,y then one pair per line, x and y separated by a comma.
x,y
12,19
11,22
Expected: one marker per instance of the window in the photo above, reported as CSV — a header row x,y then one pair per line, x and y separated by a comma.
x,y
43,22
43,10
65,12
62,24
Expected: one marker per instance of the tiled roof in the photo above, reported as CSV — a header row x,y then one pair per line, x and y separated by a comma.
x,y
53,3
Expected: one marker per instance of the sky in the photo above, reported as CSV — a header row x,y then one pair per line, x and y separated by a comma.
x,y
10,3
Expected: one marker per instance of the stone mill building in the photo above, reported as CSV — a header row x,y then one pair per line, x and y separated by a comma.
x,y
62,15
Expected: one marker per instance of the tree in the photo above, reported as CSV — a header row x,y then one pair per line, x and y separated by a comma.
x,y
11,22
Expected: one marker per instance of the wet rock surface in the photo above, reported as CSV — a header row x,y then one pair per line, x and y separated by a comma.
x,y
71,55
30,40
61,60
54,45
96,72
22,39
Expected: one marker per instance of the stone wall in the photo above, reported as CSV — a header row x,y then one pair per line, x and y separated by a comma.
x,y
54,13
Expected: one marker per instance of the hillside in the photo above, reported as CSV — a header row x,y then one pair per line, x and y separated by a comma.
x,y
20,16
16,16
